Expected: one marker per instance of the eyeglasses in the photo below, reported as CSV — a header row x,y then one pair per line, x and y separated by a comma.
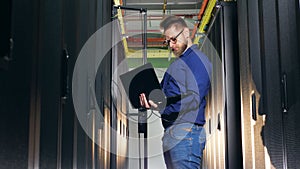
x,y
173,39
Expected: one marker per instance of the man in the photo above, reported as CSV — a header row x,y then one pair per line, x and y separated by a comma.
x,y
183,119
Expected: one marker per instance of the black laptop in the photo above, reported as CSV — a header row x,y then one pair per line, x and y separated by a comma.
x,y
142,80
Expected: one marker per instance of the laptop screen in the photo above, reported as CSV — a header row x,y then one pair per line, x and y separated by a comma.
x,y
141,80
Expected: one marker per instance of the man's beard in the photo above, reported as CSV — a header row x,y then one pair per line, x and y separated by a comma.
x,y
180,50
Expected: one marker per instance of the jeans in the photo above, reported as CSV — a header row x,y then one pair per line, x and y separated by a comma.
x,y
183,146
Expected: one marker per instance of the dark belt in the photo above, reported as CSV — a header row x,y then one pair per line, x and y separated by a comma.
x,y
198,124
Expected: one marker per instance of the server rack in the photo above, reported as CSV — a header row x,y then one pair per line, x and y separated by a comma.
x,y
269,60
224,146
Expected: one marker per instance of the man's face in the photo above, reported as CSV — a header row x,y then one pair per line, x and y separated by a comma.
x,y
176,41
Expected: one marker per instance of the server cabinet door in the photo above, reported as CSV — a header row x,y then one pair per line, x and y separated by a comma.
x,y
279,61
269,63
18,20
289,62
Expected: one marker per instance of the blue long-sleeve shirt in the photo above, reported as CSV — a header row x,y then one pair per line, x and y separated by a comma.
x,y
190,73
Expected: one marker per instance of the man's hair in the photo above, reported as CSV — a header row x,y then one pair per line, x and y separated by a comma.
x,y
170,21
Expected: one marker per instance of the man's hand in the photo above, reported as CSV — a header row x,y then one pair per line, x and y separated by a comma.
x,y
147,104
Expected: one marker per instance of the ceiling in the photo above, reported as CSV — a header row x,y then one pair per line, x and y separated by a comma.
x,y
158,4
188,9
